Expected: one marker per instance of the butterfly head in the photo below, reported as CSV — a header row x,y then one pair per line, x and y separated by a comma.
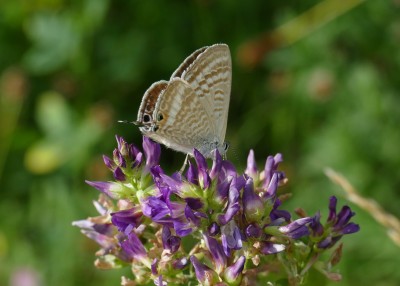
x,y
223,148
148,120
149,123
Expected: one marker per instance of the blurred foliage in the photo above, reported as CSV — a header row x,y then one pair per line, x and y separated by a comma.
x,y
70,69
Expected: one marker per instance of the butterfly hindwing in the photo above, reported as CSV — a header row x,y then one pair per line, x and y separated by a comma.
x,y
179,103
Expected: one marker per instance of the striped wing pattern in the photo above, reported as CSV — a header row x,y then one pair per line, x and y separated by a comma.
x,y
191,110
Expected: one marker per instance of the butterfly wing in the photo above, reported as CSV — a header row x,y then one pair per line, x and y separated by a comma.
x,y
180,120
209,72
191,110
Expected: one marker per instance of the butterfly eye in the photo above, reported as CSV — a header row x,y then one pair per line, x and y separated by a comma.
x,y
225,146
160,117
146,118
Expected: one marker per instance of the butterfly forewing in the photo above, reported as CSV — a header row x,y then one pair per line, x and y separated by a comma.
x,y
187,62
210,75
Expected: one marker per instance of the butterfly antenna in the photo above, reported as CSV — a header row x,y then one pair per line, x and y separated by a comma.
x,y
130,122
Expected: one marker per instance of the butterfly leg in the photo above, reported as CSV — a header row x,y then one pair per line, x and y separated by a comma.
x,y
184,164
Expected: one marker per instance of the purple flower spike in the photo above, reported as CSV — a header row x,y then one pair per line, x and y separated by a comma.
x,y
152,151
133,248
110,189
251,169
126,220
252,203
233,272
204,274
297,228
217,253
228,217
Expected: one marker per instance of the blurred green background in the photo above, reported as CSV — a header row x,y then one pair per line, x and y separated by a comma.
x,y
315,80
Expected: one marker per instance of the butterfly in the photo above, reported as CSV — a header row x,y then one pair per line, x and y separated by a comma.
x,y
191,109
